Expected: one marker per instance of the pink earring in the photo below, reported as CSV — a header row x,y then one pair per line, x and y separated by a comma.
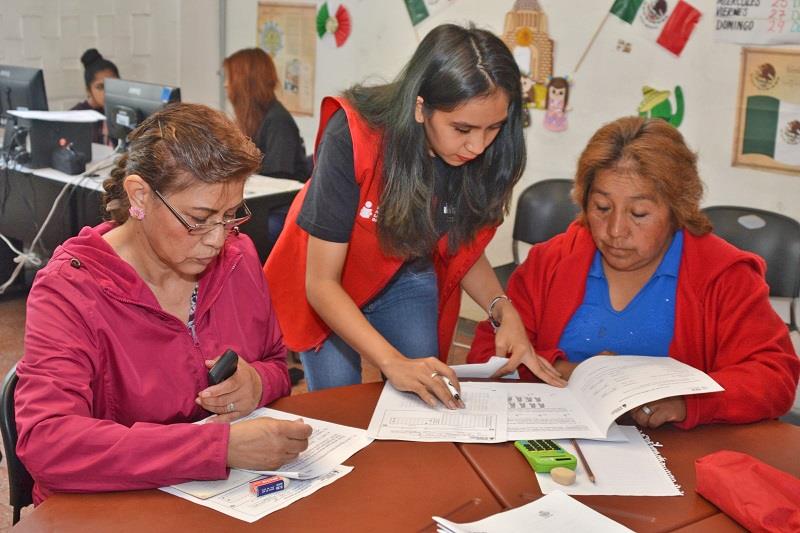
x,y
136,212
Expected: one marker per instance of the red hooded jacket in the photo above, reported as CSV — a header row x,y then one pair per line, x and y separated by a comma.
x,y
724,323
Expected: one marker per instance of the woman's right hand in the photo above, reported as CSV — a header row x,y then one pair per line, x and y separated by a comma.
x,y
266,443
423,377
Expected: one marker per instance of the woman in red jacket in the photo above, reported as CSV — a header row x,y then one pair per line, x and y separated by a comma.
x,y
410,180
126,319
640,273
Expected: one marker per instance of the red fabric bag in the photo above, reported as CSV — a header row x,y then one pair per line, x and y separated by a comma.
x,y
758,496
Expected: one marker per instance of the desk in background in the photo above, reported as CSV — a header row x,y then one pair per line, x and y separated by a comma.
x,y
27,196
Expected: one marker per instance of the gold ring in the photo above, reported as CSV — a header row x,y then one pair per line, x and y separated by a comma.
x,y
434,374
646,410
231,407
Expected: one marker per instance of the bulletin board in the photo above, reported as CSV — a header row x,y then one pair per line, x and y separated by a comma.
x,y
287,32
768,110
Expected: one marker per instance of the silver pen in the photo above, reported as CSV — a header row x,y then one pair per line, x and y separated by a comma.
x,y
452,389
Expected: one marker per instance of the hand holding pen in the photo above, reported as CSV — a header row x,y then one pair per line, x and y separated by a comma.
x,y
453,391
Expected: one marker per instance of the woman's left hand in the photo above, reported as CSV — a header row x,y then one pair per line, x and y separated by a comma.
x,y
235,397
512,341
654,414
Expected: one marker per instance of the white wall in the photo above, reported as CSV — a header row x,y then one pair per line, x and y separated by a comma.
x,y
608,85
173,42
177,42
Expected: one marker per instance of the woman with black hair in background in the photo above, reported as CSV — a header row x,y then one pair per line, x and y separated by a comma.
x,y
411,179
96,70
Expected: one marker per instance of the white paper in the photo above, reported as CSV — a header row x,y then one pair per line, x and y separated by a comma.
x,y
599,390
555,512
630,468
329,445
484,370
239,503
612,385
87,115
257,185
404,416
204,490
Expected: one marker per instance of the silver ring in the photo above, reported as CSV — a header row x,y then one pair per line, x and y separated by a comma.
x,y
646,410
434,374
231,407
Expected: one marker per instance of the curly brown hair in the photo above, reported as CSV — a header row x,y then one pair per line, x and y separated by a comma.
x,y
180,141
653,150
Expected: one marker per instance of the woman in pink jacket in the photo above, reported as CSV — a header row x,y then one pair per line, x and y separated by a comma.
x,y
127,317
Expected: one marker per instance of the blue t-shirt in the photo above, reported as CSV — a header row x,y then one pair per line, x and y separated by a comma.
x,y
644,327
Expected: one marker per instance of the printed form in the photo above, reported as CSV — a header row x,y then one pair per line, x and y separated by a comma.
x,y
320,465
404,416
599,390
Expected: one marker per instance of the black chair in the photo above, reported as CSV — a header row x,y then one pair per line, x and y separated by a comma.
x,y
775,237
544,210
20,482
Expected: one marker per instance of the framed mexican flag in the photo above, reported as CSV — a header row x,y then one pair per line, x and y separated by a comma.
x,y
768,111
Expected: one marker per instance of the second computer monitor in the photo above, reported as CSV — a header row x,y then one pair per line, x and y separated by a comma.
x,y
128,103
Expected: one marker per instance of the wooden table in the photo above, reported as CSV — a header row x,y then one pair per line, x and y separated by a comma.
x,y
399,486
395,486
513,482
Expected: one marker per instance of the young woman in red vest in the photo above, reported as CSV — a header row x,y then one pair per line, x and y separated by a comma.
x,y
411,179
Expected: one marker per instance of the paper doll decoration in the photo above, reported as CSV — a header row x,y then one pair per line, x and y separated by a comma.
x,y
555,117
528,100
656,104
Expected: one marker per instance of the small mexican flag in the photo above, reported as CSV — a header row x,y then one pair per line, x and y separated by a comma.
x,y
420,10
772,128
668,22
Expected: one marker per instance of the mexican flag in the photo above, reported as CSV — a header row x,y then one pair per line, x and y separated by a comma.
x,y
772,128
668,22
420,10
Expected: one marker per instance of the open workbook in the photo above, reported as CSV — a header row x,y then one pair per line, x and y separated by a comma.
x,y
599,390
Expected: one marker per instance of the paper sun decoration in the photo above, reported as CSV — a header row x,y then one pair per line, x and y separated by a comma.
x,y
337,25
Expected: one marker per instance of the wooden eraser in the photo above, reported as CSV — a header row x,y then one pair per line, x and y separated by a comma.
x,y
563,476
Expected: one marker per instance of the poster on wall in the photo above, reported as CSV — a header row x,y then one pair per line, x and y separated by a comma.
x,y
287,32
768,119
757,21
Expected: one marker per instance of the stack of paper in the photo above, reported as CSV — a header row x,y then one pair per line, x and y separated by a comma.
x,y
630,468
320,465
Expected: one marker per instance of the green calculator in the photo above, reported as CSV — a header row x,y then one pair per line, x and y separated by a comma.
x,y
545,455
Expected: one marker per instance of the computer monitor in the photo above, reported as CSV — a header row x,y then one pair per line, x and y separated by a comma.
x,y
128,103
21,88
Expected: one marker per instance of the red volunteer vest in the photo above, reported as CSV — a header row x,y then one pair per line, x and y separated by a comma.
x,y
366,269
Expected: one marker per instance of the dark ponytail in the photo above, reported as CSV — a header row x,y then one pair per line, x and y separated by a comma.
x,y
94,62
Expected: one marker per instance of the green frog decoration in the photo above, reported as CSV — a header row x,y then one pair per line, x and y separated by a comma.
x,y
656,104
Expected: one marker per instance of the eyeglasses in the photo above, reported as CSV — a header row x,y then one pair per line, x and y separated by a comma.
x,y
230,225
